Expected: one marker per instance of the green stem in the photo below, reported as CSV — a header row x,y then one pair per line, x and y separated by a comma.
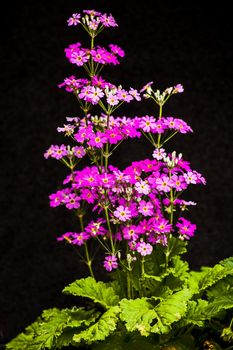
x,y
128,285
160,116
109,229
88,260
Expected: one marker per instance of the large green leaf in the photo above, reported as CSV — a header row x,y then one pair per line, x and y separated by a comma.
x,y
106,325
196,313
99,292
222,287
170,310
127,341
48,329
213,275
138,315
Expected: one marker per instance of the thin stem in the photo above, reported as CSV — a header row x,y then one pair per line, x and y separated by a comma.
x,y
160,116
128,285
109,229
88,260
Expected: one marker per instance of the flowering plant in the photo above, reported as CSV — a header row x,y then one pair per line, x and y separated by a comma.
x,y
136,216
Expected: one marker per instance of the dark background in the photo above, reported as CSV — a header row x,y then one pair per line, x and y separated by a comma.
x,y
174,42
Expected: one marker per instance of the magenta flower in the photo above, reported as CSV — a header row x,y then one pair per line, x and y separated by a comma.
x,y
56,199
144,248
178,89
72,201
117,50
186,228
80,57
95,94
97,140
113,135
78,151
123,95
108,21
159,153
147,86
190,178
142,187
145,208
87,195
74,19
110,262
130,232
163,183
96,228
122,213
66,237
135,94
80,238
147,123
163,226
112,99
178,182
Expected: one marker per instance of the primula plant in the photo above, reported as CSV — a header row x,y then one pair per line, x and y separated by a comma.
x,y
136,218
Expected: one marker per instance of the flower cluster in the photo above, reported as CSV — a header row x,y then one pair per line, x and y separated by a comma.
x,y
92,21
80,56
135,208
137,201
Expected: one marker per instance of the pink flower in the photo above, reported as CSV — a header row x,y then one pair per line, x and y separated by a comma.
x,y
95,94
112,99
159,153
163,226
131,232
122,213
190,177
145,208
108,21
79,57
74,19
66,237
97,140
142,187
178,88
113,135
117,50
96,228
72,201
147,86
144,248
123,95
163,183
186,228
80,238
56,199
135,94
178,182
78,151
147,123
87,195
110,262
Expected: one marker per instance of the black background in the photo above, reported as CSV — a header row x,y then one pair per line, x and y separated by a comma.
x,y
172,42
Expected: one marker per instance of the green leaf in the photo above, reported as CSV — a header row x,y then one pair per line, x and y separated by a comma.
x,y
138,315
170,310
49,328
176,247
127,341
194,279
222,287
196,313
106,325
213,275
227,263
99,292
219,304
